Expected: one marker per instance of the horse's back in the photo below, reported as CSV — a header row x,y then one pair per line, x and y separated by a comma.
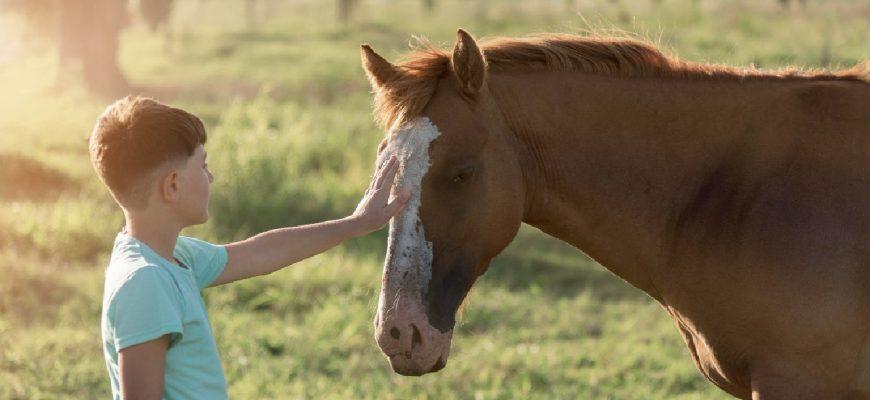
x,y
825,102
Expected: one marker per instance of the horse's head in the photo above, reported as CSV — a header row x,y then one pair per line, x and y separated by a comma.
x,y
466,204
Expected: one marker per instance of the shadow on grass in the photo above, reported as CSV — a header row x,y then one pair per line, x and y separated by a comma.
x,y
28,297
25,179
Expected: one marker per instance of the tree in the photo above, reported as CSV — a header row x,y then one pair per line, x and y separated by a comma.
x,y
155,12
429,5
86,34
250,14
345,9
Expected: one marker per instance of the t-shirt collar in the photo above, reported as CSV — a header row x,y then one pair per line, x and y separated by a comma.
x,y
123,236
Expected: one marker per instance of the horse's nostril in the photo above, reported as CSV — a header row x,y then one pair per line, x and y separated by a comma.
x,y
417,339
395,333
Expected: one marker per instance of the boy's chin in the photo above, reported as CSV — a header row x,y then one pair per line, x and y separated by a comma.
x,y
199,220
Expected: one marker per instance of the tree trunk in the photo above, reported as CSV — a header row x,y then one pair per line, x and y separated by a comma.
x,y
88,32
250,14
345,8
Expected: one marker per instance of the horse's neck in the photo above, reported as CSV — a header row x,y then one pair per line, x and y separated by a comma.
x,y
608,162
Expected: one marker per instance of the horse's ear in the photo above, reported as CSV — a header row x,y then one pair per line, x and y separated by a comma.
x,y
469,65
378,70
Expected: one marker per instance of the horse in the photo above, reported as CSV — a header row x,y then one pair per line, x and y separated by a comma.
x,y
738,199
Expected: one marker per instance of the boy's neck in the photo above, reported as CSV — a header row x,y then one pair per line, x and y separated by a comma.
x,y
158,235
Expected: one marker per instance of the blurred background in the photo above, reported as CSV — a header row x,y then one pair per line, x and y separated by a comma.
x,y
292,141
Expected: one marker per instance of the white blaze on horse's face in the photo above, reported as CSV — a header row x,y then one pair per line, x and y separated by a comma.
x,y
410,145
402,328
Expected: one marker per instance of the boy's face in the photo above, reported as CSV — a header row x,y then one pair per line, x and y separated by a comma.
x,y
194,181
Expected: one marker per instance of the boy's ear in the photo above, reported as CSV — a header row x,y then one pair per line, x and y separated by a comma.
x,y
169,187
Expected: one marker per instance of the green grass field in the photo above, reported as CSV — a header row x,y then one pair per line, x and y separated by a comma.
x,y
292,141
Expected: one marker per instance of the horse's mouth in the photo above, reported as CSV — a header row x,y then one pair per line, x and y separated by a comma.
x,y
408,369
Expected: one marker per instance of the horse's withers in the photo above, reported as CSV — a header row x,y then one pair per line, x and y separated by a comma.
x,y
402,327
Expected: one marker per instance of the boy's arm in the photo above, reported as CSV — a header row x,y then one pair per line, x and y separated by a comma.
x,y
275,249
141,369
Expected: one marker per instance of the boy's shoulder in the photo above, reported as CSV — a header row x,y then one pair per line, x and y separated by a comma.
x,y
130,264
190,250
206,260
129,255
201,259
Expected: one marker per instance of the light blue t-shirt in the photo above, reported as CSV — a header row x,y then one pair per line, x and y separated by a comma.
x,y
147,296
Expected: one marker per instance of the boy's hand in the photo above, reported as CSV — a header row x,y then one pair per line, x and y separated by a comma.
x,y
270,251
374,210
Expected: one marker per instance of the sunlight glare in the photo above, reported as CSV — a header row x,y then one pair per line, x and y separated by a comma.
x,y
10,40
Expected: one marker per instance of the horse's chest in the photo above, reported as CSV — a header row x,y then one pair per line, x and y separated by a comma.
x,y
724,367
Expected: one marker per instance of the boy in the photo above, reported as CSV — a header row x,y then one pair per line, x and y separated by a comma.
x,y
157,339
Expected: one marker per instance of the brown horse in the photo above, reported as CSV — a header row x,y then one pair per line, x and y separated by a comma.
x,y
736,198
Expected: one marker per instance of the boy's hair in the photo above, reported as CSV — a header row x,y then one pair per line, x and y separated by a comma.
x,y
133,137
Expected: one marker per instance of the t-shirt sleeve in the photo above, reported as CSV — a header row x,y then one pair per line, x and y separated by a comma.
x,y
145,307
207,261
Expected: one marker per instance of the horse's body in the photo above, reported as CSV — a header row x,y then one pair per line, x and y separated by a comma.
x,y
744,214
740,201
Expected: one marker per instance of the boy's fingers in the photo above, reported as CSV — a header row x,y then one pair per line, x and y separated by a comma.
x,y
398,203
374,180
373,183
393,208
405,195
387,173
382,193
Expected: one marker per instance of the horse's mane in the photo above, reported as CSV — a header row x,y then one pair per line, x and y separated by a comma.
x,y
405,96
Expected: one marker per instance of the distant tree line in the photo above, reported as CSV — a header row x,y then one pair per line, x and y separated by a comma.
x,y
345,8
86,32
786,3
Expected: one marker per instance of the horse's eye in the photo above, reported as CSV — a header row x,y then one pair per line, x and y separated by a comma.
x,y
464,175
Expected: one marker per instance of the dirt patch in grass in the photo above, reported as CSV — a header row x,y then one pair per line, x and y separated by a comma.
x,y
27,297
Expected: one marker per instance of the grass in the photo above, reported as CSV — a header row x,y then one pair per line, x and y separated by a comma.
x,y
292,141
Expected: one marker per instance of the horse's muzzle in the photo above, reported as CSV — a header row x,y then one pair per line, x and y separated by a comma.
x,y
413,346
